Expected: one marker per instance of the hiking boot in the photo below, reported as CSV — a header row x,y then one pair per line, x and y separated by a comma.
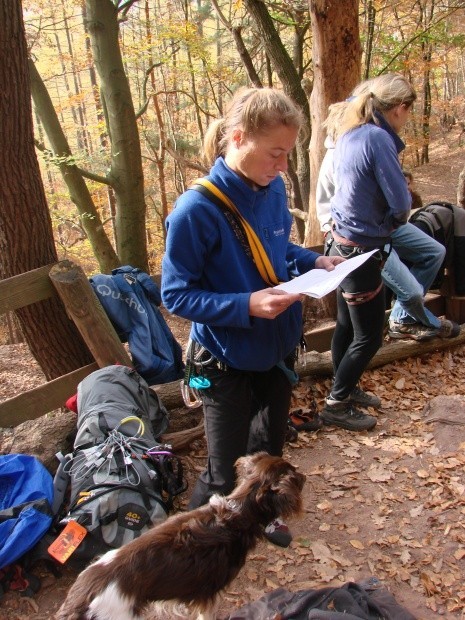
x,y
345,415
415,331
448,329
364,399
278,533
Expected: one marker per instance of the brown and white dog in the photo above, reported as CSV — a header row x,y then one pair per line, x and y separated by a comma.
x,y
178,568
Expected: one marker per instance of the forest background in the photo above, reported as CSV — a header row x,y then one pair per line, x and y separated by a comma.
x,y
122,94
123,91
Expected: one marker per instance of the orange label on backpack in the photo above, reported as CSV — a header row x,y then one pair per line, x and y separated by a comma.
x,y
67,542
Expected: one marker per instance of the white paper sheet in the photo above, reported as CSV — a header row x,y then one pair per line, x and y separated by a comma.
x,y
319,282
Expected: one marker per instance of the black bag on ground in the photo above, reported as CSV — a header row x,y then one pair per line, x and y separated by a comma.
x,y
120,479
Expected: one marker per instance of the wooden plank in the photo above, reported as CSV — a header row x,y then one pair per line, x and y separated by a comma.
x,y
436,303
25,288
43,399
320,339
319,364
455,309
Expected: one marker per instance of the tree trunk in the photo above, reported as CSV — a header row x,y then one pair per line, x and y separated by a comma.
x,y
289,78
370,18
336,71
79,193
26,237
243,52
336,54
126,174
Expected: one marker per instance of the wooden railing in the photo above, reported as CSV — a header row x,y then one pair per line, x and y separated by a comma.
x,y
69,282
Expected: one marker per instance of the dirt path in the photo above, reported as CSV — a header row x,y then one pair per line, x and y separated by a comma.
x,y
388,503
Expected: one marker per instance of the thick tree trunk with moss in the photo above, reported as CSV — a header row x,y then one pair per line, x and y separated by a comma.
x,y
126,174
26,237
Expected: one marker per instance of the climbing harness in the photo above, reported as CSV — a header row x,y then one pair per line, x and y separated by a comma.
x,y
194,381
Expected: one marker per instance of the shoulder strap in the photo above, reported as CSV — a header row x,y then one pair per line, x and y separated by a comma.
x,y
258,253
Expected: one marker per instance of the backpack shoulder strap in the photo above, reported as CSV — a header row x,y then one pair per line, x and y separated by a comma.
x,y
248,239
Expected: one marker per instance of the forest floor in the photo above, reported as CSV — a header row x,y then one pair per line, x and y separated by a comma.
x,y
389,503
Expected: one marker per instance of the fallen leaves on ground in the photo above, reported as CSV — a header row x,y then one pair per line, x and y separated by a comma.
x,y
388,503
385,503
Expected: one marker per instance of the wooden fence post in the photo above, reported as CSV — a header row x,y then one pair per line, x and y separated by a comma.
x,y
84,308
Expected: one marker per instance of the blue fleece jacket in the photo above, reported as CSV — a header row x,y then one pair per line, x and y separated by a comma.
x,y
207,277
371,196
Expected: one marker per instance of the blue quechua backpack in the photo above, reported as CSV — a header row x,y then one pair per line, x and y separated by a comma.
x,y
26,498
131,299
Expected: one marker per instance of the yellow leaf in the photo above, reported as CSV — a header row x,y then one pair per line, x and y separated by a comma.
x,y
325,506
357,544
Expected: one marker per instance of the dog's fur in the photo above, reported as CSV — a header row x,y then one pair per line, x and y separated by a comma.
x,y
187,560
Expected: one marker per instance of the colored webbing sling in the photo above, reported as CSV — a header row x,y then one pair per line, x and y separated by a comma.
x,y
248,238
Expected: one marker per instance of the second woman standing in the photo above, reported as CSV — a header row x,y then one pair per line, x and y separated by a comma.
x,y
371,199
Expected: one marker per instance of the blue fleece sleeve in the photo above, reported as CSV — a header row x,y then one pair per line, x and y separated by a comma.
x,y
299,260
185,282
391,179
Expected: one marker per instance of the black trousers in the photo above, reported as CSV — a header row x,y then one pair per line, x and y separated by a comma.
x,y
359,328
244,412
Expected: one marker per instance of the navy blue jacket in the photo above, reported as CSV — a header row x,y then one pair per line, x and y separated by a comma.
x,y
371,196
131,299
207,277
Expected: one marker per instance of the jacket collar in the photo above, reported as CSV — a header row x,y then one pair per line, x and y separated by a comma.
x,y
233,185
382,122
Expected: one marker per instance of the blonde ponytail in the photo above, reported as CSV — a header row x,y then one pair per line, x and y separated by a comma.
x,y
213,142
380,94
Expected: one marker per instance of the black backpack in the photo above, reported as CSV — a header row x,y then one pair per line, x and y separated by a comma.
x,y
120,480
436,219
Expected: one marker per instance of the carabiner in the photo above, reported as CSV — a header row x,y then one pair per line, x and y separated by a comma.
x,y
190,396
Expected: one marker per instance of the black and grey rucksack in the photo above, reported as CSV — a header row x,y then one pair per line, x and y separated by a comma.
x,y
121,479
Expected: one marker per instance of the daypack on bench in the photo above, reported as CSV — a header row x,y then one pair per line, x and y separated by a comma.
x,y
120,479
131,299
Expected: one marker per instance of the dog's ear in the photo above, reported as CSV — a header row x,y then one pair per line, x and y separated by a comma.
x,y
287,474
246,465
286,493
